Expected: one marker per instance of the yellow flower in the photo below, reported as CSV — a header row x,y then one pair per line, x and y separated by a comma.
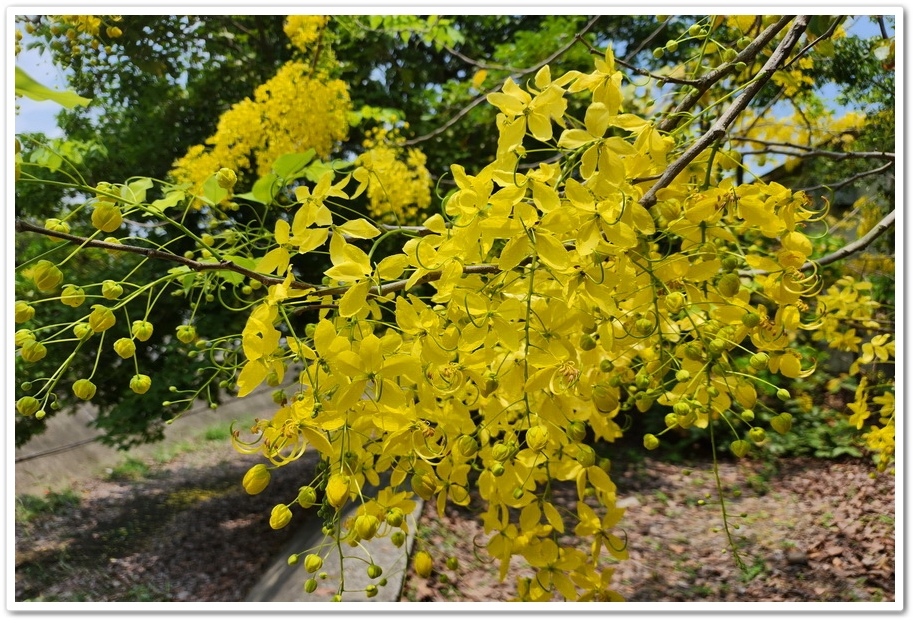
x,y
101,318
423,564
338,490
125,347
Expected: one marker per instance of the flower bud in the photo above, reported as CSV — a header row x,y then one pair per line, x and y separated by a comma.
x,y
338,490
452,563
782,423
226,178
373,571
397,538
256,479
394,517
310,585
740,447
280,516
423,564
783,394
140,383
650,441
682,376
750,319
186,333
586,456
307,496
587,342
674,302
72,295
371,590
82,330
112,290
55,224
498,469
46,276
27,405
576,430
467,446
366,526
84,389
423,484
757,434
24,312
106,216
313,562
125,347
101,318
537,437
141,330
33,351
501,451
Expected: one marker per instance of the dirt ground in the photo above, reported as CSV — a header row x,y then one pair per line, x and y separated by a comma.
x,y
185,531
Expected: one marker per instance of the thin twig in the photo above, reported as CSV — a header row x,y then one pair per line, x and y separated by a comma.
x,y
851,179
483,96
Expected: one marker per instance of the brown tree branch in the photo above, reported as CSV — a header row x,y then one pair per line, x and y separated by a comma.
x,y
158,254
718,129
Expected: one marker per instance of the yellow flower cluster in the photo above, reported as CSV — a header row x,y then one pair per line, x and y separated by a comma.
x,y
304,30
292,112
398,181
82,23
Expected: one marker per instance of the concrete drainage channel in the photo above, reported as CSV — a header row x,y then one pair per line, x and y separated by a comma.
x,y
52,461
282,582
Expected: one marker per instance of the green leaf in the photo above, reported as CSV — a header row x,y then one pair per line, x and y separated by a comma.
x,y
26,86
213,192
290,166
135,192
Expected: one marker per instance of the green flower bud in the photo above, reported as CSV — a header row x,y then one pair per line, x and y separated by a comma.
x,y
452,563
226,178
682,376
576,430
394,517
307,496
644,327
106,216
747,415
740,447
280,516
141,330
537,437
101,318
423,484
55,224
757,434
782,423
24,312
256,479
759,361
650,441
501,451
292,560
186,333
674,302
750,319
586,456
33,351
112,290
498,469
82,330
716,347
670,420
397,538
125,347
140,383
27,405
373,571
587,342
467,446
310,585
366,526
84,389
46,276
313,562
371,590
72,295
783,394
606,366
